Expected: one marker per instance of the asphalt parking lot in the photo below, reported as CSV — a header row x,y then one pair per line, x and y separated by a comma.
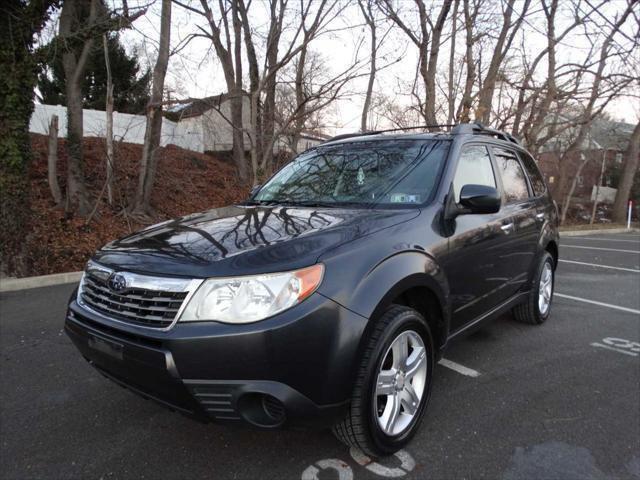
x,y
560,401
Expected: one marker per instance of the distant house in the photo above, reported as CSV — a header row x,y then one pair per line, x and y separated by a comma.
x,y
210,117
606,142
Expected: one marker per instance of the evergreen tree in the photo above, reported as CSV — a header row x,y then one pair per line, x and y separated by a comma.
x,y
130,88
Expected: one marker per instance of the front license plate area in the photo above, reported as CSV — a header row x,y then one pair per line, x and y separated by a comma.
x,y
112,349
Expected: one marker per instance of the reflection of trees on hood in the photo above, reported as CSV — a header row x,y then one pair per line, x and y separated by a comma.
x,y
217,237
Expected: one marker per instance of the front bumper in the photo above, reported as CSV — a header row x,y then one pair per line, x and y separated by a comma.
x,y
294,369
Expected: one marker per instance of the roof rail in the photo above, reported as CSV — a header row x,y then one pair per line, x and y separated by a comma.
x,y
460,128
479,129
388,130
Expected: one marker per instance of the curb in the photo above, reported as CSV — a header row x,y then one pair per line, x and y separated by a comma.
x,y
13,284
578,233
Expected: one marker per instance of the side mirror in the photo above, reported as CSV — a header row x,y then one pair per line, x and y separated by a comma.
x,y
480,199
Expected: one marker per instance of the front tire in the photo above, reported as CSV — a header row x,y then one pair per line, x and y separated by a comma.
x,y
537,307
393,385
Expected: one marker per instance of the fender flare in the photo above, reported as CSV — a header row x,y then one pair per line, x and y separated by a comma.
x,y
394,275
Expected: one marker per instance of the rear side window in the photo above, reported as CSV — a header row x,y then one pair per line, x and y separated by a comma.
x,y
474,167
537,182
514,181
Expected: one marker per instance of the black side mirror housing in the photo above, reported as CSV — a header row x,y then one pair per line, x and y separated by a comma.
x,y
480,199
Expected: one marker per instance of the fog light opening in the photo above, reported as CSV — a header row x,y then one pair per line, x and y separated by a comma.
x,y
262,410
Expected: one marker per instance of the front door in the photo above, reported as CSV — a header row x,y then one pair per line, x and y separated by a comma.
x,y
476,264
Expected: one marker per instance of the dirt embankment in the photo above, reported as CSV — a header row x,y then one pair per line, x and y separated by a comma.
x,y
186,182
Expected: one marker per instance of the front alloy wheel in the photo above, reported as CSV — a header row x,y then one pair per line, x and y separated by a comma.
x,y
393,384
400,384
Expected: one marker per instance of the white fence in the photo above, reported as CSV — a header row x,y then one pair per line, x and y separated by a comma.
x,y
126,127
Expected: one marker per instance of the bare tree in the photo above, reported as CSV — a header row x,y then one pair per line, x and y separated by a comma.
x,y
599,98
75,16
109,115
153,131
225,32
306,91
309,22
629,172
502,46
366,7
52,161
428,42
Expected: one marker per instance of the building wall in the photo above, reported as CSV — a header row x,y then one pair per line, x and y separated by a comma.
x,y
217,131
126,128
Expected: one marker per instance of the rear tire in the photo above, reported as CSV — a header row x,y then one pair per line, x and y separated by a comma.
x,y
393,382
537,308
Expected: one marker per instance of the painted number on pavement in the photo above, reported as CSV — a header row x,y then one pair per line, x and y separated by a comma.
x,y
619,345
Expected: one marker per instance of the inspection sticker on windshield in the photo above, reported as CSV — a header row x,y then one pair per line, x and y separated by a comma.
x,y
404,198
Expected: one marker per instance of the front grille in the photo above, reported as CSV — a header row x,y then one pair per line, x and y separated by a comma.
x,y
138,306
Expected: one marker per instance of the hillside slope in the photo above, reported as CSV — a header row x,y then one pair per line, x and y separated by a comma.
x,y
186,182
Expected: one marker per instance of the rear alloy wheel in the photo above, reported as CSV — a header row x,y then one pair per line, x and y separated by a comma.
x,y
537,307
393,384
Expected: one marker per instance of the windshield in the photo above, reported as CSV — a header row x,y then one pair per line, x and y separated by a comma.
x,y
375,172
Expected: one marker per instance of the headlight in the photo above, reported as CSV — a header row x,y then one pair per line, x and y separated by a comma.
x,y
251,298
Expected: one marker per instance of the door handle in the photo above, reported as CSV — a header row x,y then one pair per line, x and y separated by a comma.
x,y
540,216
508,228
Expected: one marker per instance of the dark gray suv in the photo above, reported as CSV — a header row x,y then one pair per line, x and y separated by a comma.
x,y
327,298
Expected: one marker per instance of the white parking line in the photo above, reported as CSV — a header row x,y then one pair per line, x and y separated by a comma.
x,y
593,302
637,242
600,248
601,266
459,368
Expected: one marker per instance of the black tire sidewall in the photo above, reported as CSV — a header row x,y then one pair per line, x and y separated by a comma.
x,y
546,258
407,320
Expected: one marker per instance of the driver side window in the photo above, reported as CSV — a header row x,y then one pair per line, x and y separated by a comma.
x,y
474,167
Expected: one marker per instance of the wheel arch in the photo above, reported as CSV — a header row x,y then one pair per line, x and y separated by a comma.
x,y
552,247
412,279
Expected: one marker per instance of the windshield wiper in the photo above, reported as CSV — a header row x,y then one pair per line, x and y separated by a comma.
x,y
261,202
321,204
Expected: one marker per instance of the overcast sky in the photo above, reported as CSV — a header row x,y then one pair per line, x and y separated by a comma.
x,y
195,71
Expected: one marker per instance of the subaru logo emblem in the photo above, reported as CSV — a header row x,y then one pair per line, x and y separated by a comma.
x,y
117,282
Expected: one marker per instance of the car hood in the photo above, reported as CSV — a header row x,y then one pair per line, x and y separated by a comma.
x,y
242,240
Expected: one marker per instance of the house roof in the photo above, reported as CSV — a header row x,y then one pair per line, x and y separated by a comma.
x,y
314,135
198,106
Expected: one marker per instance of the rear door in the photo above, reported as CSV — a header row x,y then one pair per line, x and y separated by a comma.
x,y
477,264
521,205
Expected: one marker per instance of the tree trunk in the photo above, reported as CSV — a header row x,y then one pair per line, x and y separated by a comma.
x,y
567,200
629,172
368,16
505,38
300,100
594,208
74,61
52,161
464,111
432,65
451,100
149,160
109,113
20,26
